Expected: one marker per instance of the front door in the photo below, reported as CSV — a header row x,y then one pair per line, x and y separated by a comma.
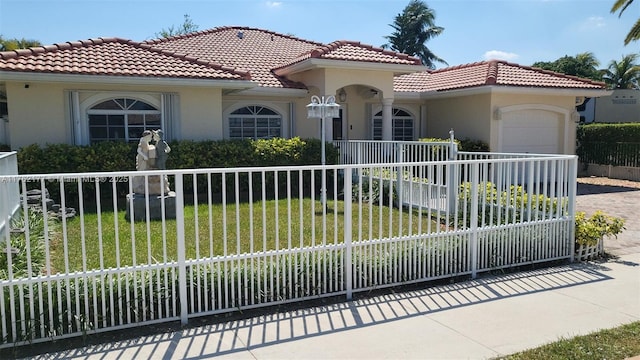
x,y
337,127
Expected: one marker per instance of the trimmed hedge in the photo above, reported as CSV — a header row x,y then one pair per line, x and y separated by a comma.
x,y
610,133
185,154
463,145
609,144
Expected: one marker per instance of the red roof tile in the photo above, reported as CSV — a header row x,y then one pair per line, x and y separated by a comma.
x,y
113,56
262,51
497,73
257,51
355,51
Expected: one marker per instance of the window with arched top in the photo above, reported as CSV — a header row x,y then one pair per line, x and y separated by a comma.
x,y
122,119
402,125
254,122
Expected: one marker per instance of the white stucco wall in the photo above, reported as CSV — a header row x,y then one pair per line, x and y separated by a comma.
x,y
621,106
41,113
468,116
36,114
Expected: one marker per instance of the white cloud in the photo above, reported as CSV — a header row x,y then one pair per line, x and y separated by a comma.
x,y
500,55
274,4
593,22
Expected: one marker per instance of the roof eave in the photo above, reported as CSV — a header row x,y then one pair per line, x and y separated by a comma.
x,y
125,80
271,91
315,63
407,95
522,90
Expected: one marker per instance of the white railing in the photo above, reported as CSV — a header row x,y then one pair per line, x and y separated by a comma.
x,y
11,194
375,152
251,237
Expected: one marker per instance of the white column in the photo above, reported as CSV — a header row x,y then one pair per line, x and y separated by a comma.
x,y
387,115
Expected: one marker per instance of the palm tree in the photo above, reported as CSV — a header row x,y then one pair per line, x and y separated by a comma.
x,y
412,29
624,74
634,33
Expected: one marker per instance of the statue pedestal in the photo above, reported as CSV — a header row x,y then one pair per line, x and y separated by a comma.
x,y
155,206
153,184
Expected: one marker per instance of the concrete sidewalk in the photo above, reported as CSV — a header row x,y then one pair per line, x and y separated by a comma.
x,y
483,318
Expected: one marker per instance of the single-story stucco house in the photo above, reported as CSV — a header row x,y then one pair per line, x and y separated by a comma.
x,y
241,82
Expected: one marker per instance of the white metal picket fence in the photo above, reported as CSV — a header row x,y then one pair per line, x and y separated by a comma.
x,y
9,167
252,237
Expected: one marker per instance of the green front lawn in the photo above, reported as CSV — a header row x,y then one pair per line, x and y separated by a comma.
x,y
612,344
111,241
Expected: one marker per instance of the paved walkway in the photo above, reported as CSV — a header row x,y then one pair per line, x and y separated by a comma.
x,y
479,319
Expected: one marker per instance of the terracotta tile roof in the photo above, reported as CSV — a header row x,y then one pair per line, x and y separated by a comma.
x,y
496,72
113,56
257,51
355,51
261,51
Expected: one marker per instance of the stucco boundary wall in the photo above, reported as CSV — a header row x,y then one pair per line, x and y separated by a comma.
x,y
610,171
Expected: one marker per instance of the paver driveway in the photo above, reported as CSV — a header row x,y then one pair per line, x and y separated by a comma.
x,y
615,198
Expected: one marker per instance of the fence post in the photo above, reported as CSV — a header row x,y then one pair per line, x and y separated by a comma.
x,y
182,262
452,184
573,191
399,171
348,256
473,218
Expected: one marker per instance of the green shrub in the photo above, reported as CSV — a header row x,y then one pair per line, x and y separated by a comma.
x,y
5,148
25,253
185,154
611,133
502,207
590,230
473,145
463,145
609,144
375,191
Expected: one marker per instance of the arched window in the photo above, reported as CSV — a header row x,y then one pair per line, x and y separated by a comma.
x,y
402,125
254,122
122,119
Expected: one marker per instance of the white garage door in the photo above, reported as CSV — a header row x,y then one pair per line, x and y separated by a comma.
x,y
532,131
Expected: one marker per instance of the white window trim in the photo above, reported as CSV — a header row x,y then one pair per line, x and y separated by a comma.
x,y
378,109
275,107
81,108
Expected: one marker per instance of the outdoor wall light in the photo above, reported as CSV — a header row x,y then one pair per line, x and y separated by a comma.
x,y
342,95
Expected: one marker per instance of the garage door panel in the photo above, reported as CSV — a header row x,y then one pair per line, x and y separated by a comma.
x,y
532,131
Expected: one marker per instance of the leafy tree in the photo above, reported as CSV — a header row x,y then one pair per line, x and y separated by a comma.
x,y
624,74
187,26
584,65
412,29
13,44
634,33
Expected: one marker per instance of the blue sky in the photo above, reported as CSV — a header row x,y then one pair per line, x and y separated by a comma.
x,y
521,31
